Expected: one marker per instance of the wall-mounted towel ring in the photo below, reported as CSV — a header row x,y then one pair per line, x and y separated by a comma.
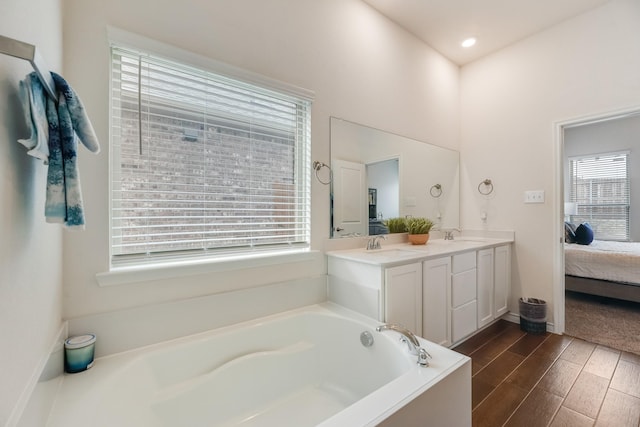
x,y
436,190
485,187
319,165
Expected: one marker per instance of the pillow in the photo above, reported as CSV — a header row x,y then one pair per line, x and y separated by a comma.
x,y
569,232
584,234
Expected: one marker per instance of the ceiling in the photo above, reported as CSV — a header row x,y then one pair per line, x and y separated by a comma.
x,y
444,24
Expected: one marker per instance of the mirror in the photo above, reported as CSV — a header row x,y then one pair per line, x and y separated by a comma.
x,y
378,175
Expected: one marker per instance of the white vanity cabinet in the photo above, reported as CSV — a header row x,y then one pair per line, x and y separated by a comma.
x,y
464,304
388,294
485,287
436,283
501,279
403,296
494,283
444,299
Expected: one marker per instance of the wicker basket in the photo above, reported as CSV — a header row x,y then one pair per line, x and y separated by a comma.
x,y
533,315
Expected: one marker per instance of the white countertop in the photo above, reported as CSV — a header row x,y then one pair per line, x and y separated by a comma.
x,y
402,253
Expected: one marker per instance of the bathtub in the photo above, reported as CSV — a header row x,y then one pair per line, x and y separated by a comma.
x,y
304,367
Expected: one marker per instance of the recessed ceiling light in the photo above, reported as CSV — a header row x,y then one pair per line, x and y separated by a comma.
x,y
469,42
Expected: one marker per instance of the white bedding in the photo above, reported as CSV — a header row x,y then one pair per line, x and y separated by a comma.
x,y
613,261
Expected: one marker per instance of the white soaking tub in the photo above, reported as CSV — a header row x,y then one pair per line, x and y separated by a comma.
x,y
304,367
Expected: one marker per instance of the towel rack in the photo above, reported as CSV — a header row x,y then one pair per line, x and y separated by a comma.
x,y
30,53
319,165
488,187
435,190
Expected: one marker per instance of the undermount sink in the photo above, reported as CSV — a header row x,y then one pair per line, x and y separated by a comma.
x,y
389,253
463,239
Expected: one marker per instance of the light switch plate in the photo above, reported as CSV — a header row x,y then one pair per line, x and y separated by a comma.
x,y
534,196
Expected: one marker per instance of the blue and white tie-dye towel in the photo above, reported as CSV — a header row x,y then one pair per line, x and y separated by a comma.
x,y
34,107
66,122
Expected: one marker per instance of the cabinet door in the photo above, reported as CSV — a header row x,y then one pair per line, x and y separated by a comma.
x,y
485,287
403,296
463,288
502,279
436,285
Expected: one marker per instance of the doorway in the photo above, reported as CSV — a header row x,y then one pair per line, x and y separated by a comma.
x,y
563,132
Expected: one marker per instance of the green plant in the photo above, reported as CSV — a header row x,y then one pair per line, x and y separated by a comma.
x,y
418,225
396,225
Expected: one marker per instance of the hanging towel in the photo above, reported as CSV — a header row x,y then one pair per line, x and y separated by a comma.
x,y
66,123
33,97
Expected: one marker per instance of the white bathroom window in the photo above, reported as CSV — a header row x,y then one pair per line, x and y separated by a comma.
x,y
600,186
203,164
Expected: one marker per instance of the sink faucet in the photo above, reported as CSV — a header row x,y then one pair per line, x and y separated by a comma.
x,y
374,242
448,234
410,339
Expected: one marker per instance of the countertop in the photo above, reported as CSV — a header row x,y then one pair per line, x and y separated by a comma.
x,y
403,253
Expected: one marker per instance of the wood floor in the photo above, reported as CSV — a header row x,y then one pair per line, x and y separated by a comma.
x,y
522,379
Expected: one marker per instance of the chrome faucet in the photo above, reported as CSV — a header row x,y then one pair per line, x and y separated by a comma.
x,y
448,234
410,339
374,242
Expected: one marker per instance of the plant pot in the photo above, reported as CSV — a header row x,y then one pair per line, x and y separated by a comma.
x,y
418,239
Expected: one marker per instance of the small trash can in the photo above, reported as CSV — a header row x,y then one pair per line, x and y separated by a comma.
x,y
533,315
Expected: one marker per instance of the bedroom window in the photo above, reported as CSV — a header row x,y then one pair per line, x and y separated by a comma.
x,y
203,164
600,187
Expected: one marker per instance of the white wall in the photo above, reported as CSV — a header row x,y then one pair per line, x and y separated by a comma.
x,y
510,102
361,67
31,250
622,134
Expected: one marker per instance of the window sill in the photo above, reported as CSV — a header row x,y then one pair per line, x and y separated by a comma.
x,y
174,269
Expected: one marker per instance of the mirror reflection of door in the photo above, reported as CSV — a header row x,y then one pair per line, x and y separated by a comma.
x,y
350,199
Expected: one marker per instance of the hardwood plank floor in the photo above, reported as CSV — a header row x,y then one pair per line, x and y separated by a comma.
x,y
521,379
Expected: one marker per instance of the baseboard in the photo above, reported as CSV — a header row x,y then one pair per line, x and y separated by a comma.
x,y
515,318
51,366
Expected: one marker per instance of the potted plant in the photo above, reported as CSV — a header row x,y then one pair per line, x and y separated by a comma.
x,y
396,225
418,229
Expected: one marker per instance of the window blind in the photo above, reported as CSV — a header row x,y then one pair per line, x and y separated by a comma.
x,y
600,187
202,163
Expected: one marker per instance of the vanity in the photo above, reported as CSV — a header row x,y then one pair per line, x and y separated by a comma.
x,y
443,291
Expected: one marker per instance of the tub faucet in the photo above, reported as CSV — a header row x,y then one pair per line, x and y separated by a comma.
x,y
410,339
374,242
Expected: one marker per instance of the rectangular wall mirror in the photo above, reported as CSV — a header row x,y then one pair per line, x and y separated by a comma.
x,y
379,175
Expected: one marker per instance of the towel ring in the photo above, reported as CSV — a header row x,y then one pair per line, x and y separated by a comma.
x,y
489,187
436,190
319,165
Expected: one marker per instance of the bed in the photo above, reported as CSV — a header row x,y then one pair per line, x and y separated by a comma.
x,y
604,268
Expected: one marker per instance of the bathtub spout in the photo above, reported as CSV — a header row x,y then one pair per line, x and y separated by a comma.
x,y
411,340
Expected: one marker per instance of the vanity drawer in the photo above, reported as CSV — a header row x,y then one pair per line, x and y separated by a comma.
x,y
463,321
463,262
463,288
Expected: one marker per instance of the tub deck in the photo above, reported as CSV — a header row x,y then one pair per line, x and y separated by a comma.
x,y
305,367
